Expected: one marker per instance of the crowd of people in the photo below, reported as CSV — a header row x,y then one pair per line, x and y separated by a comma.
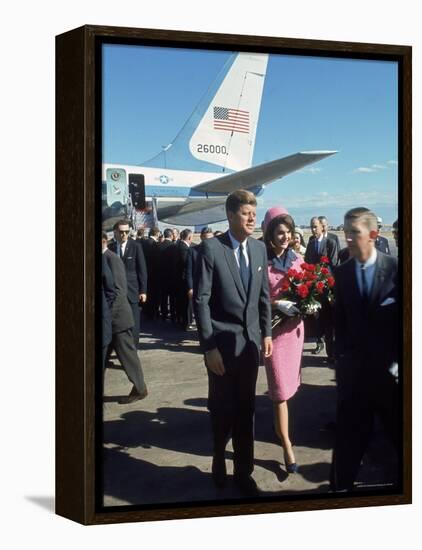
x,y
230,286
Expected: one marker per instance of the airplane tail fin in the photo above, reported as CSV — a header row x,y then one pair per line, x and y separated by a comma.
x,y
220,134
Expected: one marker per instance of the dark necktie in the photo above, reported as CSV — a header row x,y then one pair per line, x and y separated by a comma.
x,y
244,271
316,247
121,251
365,294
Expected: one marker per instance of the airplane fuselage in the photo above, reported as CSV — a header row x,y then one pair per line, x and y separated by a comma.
x,y
128,191
158,182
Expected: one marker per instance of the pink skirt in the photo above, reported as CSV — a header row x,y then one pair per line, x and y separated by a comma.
x,y
283,367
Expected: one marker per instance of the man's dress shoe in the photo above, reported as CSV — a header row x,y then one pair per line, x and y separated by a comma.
x,y
246,485
219,473
318,349
133,396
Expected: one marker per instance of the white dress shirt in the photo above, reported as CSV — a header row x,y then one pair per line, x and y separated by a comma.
x,y
235,246
369,267
123,247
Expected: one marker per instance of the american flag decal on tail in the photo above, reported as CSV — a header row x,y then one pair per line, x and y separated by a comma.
x,y
231,120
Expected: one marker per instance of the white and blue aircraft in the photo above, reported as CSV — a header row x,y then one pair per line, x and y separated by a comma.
x,y
188,182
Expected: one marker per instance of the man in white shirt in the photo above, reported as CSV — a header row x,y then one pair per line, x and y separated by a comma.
x,y
367,343
233,315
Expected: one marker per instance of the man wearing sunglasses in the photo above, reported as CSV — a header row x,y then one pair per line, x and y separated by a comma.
x,y
133,258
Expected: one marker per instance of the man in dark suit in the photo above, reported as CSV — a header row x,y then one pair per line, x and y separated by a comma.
x,y
318,246
136,270
395,231
328,234
184,311
206,233
151,252
367,341
166,264
233,315
381,243
122,326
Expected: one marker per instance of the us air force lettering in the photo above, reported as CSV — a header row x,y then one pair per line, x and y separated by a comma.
x,y
187,183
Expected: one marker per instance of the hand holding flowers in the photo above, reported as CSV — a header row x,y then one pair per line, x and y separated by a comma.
x,y
304,291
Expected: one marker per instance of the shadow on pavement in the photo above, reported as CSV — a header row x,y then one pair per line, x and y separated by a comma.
x,y
311,410
172,429
136,481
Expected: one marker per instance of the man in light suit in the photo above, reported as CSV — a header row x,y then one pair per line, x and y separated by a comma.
x,y
327,234
122,325
321,245
132,255
367,342
233,315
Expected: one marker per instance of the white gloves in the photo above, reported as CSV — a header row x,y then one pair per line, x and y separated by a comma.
x,y
287,307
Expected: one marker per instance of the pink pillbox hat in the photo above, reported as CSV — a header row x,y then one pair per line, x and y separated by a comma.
x,y
273,213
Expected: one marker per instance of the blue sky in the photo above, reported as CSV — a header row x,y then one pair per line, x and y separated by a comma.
x,y
308,103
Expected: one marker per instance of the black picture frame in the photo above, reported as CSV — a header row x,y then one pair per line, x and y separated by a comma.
x,y
78,158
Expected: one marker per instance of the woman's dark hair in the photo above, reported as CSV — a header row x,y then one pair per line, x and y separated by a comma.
x,y
286,220
302,240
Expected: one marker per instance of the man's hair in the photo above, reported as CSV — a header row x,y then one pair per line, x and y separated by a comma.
x,y
286,220
185,234
206,230
396,224
140,232
363,215
121,222
238,198
153,232
168,233
321,218
314,218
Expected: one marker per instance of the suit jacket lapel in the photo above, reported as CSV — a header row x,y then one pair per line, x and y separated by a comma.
x,y
323,248
354,294
378,281
253,265
234,268
126,252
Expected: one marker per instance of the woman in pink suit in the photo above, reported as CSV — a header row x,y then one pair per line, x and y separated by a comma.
x,y
283,367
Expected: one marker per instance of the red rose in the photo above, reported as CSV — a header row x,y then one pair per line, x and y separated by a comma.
x,y
330,281
325,270
285,285
302,290
309,283
325,260
311,267
320,287
299,276
292,272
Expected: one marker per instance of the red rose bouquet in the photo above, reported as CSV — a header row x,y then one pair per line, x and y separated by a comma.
x,y
306,289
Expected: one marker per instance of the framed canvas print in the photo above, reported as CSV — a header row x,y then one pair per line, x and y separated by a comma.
x,y
234,308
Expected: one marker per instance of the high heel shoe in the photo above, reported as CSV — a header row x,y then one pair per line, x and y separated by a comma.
x,y
291,468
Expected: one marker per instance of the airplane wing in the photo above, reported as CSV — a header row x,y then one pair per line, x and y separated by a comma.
x,y
262,174
200,211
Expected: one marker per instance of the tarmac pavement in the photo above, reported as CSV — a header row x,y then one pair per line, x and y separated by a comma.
x,y
159,450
